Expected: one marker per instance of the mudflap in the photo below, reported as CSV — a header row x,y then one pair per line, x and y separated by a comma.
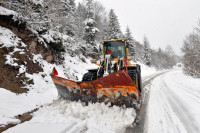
x,y
117,88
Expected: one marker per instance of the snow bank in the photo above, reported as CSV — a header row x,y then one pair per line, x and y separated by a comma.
x,y
70,117
146,70
13,105
4,11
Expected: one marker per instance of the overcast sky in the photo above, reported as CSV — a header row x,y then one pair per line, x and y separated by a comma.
x,y
164,22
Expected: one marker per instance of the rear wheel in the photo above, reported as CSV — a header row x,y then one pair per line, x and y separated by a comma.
x,y
132,74
89,76
139,77
135,74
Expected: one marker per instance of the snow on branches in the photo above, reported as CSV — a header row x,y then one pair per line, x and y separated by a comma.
x,y
90,29
191,50
146,52
130,40
114,26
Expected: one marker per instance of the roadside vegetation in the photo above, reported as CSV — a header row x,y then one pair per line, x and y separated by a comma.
x,y
191,50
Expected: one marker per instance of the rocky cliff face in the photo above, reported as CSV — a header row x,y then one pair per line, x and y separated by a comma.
x,y
10,76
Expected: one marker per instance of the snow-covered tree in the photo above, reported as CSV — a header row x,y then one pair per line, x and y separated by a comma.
x,y
169,50
90,29
191,50
101,18
130,40
69,23
146,52
29,12
171,59
114,26
81,17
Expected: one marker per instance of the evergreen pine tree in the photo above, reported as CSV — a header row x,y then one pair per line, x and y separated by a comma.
x,y
130,40
146,52
90,29
69,17
81,17
114,26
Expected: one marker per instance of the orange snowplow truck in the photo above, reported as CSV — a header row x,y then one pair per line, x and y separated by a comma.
x,y
117,79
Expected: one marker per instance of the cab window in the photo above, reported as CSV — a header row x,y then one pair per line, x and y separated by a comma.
x,y
117,48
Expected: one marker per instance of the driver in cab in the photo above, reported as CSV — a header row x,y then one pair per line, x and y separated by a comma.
x,y
116,53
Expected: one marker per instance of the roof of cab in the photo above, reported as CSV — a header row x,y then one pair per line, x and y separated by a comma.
x,y
122,39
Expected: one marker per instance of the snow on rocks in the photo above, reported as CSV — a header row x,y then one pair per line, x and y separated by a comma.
x,y
6,12
76,117
10,60
6,120
8,38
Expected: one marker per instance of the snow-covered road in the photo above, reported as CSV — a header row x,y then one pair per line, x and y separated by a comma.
x,y
174,104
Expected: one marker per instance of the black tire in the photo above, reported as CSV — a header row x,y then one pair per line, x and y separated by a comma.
x,y
89,76
132,74
139,77
135,73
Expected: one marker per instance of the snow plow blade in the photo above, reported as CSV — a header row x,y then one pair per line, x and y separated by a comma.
x,y
117,88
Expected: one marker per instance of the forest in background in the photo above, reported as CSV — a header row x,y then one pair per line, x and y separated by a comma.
x,y
79,29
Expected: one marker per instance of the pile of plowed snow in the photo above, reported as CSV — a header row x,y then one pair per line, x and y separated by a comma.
x,y
67,116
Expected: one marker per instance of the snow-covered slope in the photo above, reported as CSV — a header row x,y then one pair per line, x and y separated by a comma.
x,y
42,91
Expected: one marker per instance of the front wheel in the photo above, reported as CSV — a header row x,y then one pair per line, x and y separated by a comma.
x,y
89,76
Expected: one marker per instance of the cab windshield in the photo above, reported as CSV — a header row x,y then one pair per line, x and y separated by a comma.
x,y
115,48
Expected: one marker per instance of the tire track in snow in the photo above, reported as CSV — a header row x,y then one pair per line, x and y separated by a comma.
x,y
172,107
180,109
161,117
195,97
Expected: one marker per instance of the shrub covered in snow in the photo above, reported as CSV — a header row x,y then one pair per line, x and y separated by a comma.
x,y
191,50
